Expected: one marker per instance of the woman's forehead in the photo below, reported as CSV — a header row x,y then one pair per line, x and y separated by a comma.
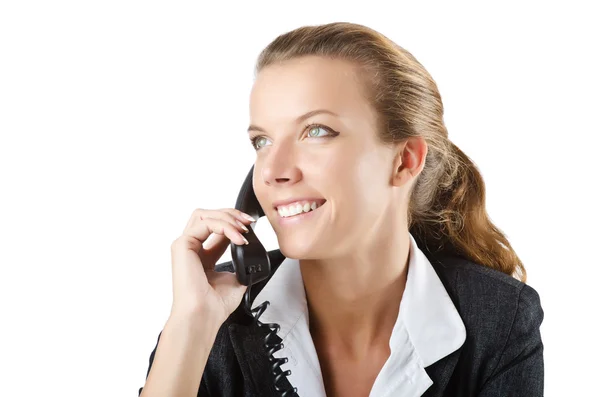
x,y
298,86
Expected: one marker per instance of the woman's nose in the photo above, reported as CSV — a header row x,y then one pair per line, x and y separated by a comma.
x,y
280,168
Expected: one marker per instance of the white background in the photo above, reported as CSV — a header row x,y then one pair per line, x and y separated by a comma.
x,y
119,118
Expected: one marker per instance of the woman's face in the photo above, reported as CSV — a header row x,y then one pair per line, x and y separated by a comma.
x,y
330,160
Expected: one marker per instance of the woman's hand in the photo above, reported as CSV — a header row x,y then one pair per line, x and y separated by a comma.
x,y
197,288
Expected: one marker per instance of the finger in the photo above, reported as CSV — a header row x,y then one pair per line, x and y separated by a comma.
x,y
200,215
191,242
229,216
215,242
242,216
203,229
215,247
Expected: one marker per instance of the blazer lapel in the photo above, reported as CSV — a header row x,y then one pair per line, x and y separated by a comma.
x,y
440,373
442,370
248,341
252,358
248,345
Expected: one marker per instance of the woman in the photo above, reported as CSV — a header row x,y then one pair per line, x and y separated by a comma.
x,y
391,280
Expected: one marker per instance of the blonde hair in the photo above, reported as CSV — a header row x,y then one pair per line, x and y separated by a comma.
x,y
447,211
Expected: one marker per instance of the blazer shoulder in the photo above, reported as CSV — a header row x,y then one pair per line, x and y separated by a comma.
x,y
502,317
464,278
486,292
487,299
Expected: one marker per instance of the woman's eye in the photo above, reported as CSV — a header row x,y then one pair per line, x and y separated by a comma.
x,y
259,142
316,131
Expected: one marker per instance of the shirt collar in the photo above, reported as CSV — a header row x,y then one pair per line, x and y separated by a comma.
x,y
432,321
434,326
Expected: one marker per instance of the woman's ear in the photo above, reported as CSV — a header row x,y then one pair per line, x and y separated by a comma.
x,y
409,160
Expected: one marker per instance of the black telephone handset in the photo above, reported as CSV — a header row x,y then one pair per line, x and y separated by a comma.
x,y
251,265
250,262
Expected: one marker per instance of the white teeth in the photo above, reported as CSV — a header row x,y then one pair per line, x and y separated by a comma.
x,y
295,209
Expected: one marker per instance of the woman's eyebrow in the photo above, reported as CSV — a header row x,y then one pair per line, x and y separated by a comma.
x,y
299,119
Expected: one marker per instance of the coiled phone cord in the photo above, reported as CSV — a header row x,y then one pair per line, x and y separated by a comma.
x,y
269,346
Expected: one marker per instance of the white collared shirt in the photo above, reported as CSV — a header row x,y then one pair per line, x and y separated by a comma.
x,y
427,329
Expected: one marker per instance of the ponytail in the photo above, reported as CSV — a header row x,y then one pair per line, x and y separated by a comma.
x,y
456,221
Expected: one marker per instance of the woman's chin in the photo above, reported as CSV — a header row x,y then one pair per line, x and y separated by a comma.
x,y
295,249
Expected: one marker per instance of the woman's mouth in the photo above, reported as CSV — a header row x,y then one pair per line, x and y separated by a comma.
x,y
298,211
298,208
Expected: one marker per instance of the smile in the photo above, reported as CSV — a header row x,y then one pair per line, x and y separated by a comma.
x,y
298,208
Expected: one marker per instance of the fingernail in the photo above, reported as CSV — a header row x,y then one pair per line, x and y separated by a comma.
x,y
251,219
245,241
242,225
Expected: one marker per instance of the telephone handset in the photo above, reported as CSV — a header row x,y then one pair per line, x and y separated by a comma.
x,y
251,265
250,262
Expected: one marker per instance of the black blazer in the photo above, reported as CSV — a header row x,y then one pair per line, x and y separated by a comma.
x,y
502,355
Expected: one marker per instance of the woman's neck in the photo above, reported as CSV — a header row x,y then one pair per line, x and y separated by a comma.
x,y
354,301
